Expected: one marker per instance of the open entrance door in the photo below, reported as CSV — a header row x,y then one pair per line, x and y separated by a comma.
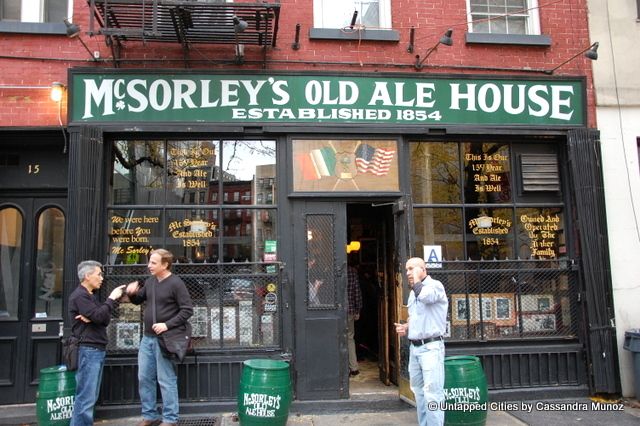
x,y
404,250
376,227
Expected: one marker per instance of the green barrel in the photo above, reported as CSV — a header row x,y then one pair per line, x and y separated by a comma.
x,y
465,391
56,391
265,392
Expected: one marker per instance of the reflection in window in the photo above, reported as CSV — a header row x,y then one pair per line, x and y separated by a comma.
x,y
339,13
10,255
440,227
435,173
28,11
504,16
138,172
197,173
248,167
49,264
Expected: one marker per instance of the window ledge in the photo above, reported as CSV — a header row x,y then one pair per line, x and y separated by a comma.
x,y
33,27
365,34
522,39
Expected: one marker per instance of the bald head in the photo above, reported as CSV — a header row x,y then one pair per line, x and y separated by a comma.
x,y
416,270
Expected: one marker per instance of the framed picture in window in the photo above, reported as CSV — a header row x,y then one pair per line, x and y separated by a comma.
x,y
229,326
539,322
199,321
537,303
345,165
127,335
504,312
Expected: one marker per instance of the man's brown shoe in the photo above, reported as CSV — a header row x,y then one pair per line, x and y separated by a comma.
x,y
168,424
145,422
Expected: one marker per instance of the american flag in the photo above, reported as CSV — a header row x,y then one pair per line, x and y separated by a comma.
x,y
373,160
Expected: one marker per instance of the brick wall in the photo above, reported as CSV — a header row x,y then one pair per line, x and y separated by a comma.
x,y
34,61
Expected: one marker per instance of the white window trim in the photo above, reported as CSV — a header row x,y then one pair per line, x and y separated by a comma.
x,y
533,22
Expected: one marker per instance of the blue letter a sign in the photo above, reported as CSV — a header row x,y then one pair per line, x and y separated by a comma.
x,y
433,256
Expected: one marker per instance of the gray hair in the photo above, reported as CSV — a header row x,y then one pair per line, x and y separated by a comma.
x,y
86,267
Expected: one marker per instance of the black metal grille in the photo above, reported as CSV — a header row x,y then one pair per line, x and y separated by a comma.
x,y
236,305
199,421
321,288
510,299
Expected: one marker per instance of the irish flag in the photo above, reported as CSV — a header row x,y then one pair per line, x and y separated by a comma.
x,y
318,163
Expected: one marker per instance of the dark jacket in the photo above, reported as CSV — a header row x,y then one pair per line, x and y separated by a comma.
x,y
84,303
173,302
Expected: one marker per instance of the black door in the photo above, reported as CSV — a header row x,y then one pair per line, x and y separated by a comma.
x,y
322,370
31,277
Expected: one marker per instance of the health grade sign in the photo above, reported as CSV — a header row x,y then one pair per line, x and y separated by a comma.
x,y
242,99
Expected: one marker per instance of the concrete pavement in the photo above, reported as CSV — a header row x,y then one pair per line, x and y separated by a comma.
x,y
563,412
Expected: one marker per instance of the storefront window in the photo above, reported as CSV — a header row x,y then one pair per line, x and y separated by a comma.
x,y
226,254
502,259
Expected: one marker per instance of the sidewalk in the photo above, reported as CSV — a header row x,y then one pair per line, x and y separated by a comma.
x,y
563,412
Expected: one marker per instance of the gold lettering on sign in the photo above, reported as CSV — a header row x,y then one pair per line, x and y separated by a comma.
x,y
191,165
488,170
542,231
129,230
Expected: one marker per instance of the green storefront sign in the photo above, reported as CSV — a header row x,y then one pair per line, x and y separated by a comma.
x,y
215,98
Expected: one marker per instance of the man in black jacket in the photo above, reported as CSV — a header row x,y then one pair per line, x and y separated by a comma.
x,y
173,307
89,319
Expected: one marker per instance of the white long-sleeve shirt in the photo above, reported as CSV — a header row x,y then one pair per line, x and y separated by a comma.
x,y
428,311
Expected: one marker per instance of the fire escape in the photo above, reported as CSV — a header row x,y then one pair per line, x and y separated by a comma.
x,y
185,22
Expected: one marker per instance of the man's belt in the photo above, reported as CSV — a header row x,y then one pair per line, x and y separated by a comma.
x,y
421,342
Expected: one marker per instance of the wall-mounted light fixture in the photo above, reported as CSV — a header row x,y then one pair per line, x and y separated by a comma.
x,y
239,25
57,91
445,39
296,41
73,31
590,52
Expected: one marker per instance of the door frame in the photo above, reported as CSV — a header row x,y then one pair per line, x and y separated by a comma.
x,y
34,340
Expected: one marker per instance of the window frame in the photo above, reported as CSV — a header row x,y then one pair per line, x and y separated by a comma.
x,y
32,14
383,32
533,37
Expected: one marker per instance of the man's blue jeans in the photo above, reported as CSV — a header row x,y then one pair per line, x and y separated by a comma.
x,y
154,369
88,379
426,376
